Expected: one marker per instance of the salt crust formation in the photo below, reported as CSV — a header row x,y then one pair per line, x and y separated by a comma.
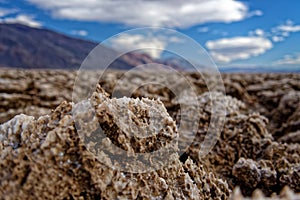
x,y
36,93
45,158
256,155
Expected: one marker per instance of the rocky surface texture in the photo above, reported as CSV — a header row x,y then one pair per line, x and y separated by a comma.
x,y
51,147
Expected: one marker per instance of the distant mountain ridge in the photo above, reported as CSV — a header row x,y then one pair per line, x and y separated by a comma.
x,y
26,47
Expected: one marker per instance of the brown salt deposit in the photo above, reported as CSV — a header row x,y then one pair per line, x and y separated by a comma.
x,y
48,146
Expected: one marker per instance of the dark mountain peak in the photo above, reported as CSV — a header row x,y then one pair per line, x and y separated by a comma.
x,y
26,47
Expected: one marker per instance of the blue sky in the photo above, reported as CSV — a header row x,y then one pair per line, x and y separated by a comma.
x,y
256,33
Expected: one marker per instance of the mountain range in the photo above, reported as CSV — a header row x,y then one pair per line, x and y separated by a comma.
x,y
26,47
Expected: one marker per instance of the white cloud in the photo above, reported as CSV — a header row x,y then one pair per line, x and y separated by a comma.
x,y
22,19
214,32
278,33
255,13
219,32
175,39
4,12
281,32
259,32
285,29
285,34
277,38
289,22
80,32
176,13
289,28
148,44
203,29
289,60
238,48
